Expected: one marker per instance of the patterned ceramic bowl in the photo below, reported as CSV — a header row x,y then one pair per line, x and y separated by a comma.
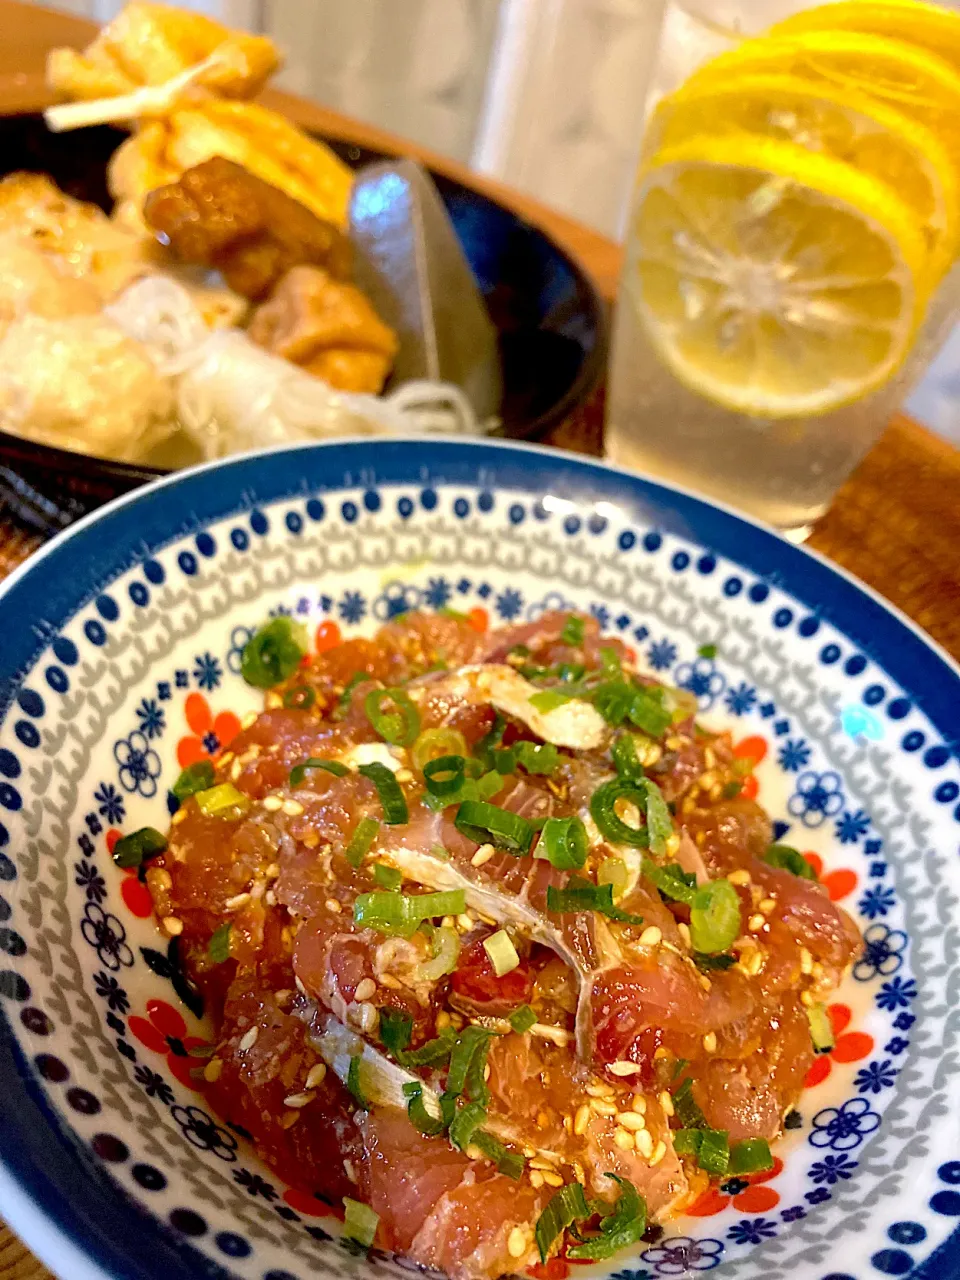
x,y
119,664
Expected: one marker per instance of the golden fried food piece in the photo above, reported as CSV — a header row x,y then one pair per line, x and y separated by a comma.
x,y
148,44
221,216
328,328
263,142
30,281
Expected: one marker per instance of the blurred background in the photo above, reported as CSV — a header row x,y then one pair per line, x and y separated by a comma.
x,y
546,95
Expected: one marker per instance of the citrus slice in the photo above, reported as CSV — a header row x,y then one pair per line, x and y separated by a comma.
x,y
775,282
865,133
911,80
930,26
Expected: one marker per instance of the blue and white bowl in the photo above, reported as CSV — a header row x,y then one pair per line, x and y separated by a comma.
x,y
120,656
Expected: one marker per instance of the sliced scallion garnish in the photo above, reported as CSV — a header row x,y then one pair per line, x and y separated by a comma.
x,y
343,702
507,1162
401,914
299,771
444,775
218,948
130,851
522,1019
392,799
421,1119
395,1031
502,953
787,859
603,804
714,917
672,881
360,1222
487,823
273,652
821,1028
354,1083
542,758
567,1206
619,1229
573,632
387,877
686,1107
196,777
625,759
399,726
223,800
359,844
582,895
301,698
548,700
563,842
751,1155
465,1123
439,741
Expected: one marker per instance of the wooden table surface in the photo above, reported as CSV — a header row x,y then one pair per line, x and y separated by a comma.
x,y
895,524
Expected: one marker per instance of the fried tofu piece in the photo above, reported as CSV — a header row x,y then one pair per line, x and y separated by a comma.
x,y
328,328
219,215
149,44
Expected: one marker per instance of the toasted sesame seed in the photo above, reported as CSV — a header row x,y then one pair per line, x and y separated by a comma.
x,y
741,877
707,779
624,1139
249,719
299,985
311,840
211,1072
178,817
768,905
684,931
666,1103
639,1103
581,1120
806,961
235,903
528,1152
673,743
443,1020
283,997
292,808
272,803
659,1153
806,998
538,1162
447,922
816,970
388,980
625,1068
650,937
173,926
464,923
543,1120
716,791
536,1179
710,1042
160,878
290,1119
599,1090
333,906
688,805
299,1099
270,898
366,988
235,770
552,1179
517,1242
631,1120
272,701
483,854
645,1143
709,757
568,1123
756,922
369,1018
315,1075
602,1107
248,1039
754,962
403,775
349,1170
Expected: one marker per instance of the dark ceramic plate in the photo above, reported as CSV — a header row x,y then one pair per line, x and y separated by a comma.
x,y
548,314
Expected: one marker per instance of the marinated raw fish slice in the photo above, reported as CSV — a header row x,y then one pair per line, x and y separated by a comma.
x,y
468,1233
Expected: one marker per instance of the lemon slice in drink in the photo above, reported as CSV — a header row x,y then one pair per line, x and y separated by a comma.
x,y
865,133
774,282
931,26
911,80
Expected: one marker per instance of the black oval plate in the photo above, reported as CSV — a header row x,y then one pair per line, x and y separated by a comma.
x,y
549,318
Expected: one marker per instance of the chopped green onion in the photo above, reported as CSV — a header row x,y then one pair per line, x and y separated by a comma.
x,y
434,1053
130,851
567,1206
399,727
299,771
659,821
540,758
343,702
647,710
573,632
613,871
363,837
503,954
821,1028
787,859
421,1119
446,612
353,1082
467,1060
603,811
706,962
491,739
444,775
465,1123
196,777
395,1031
731,790
752,1155
360,1222
470,789
714,1154
487,823
387,877
563,842
625,760
507,1162
707,651
392,799
686,1142
301,698
714,917
446,952
401,914
218,948
522,1019
221,801
570,672
686,1108
685,705
610,662
672,881
548,700
582,895
613,700
273,652
619,1229
439,741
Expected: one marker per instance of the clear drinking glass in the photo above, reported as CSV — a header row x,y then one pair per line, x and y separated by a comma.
x,y
663,413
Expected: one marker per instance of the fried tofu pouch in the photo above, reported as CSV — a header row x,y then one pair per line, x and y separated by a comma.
x,y
148,44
